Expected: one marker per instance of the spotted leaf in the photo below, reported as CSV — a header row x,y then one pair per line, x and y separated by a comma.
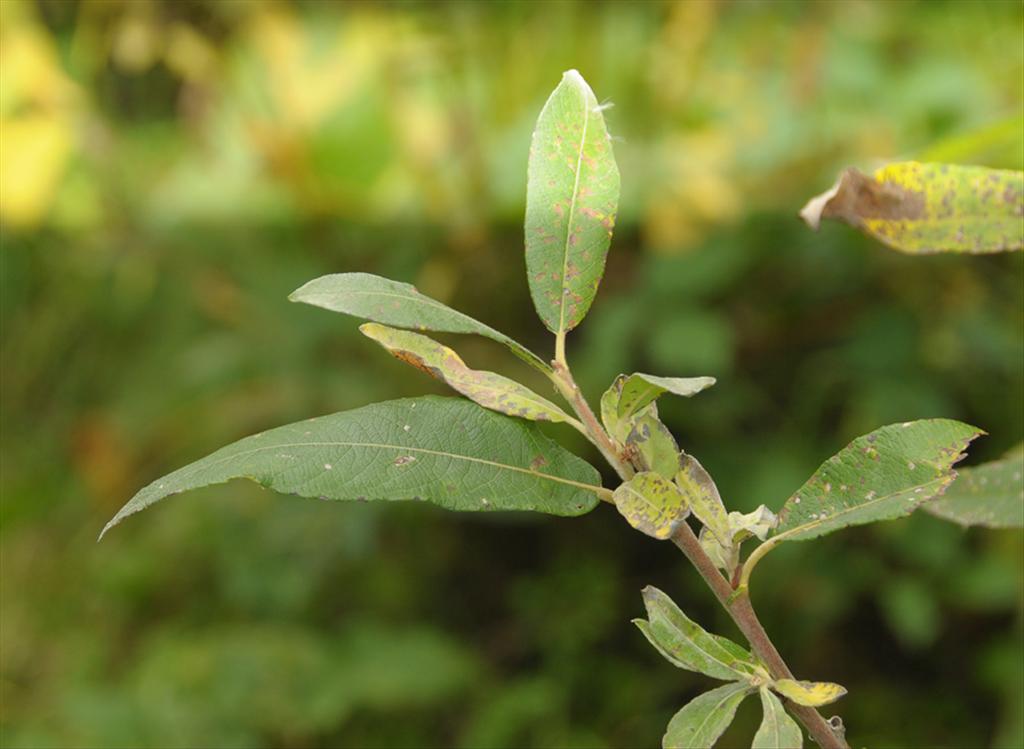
x,y
990,495
703,498
448,451
652,504
809,693
489,389
572,197
921,208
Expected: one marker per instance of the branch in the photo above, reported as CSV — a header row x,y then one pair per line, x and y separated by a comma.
x,y
741,611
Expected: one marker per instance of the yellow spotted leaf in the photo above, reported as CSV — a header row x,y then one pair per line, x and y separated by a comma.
x,y
703,497
489,389
924,208
652,504
809,693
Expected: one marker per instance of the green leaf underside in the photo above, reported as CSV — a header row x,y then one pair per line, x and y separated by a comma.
x,y
572,197
777,730
639,389
652,504
989,495
399,304
921,208
685,644
653,443
489,389
703,720
448,451
883,475
742,526
809,693
703,498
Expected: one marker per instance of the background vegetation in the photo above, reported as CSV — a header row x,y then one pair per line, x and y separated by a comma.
x,y
171,170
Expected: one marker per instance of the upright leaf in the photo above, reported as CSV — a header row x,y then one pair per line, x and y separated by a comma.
x,y
701,722
920,208
401,305
686,645
639,389
742,526
777,730
809,693
489,389
991,495
443,450
883,475
652,504
572,196
703,497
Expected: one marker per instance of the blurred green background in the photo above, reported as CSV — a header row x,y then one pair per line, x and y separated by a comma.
x,y
172,170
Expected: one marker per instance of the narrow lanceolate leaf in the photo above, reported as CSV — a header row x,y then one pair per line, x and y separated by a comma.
x,y
652,504
401,305
921,208
443,450
778,730
990,495
686,645
652,443
489,389
883,475
704,720
703,497
809,693
572,196
639,389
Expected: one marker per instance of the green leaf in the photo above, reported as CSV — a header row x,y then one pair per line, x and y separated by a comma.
x,y
704,720
703,498
639,389
809,693
443,450
921,208
991,495
572,196
686,645
489,389
777,730
401,305
652,504
883,475
652,443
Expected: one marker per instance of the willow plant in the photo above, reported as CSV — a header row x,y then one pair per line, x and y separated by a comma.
x,y
485,452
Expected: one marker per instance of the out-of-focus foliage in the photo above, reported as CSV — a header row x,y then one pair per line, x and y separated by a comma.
x,y
170,171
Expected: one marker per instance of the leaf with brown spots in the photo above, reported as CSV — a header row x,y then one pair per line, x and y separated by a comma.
x,y
923,208
990,495
652,504
572,197
703,498
489,389
883,475
652,444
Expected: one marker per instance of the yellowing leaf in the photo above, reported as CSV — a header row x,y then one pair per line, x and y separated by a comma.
x,y
809,693
489,389
651,444
702,496
922,208
652,504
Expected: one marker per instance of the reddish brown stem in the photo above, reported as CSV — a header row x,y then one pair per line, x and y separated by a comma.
x,y
741,611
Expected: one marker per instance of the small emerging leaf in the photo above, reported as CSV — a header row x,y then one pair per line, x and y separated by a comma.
x,y
443,450
883,475
572,196
489,389
921,208
652,504
640,389
777,730
742,526
652,443
990,495
703,497
686,645
701,722
401,305
809,693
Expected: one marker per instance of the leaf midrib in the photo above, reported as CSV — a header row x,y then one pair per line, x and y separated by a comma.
x,y
572,211
732,693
